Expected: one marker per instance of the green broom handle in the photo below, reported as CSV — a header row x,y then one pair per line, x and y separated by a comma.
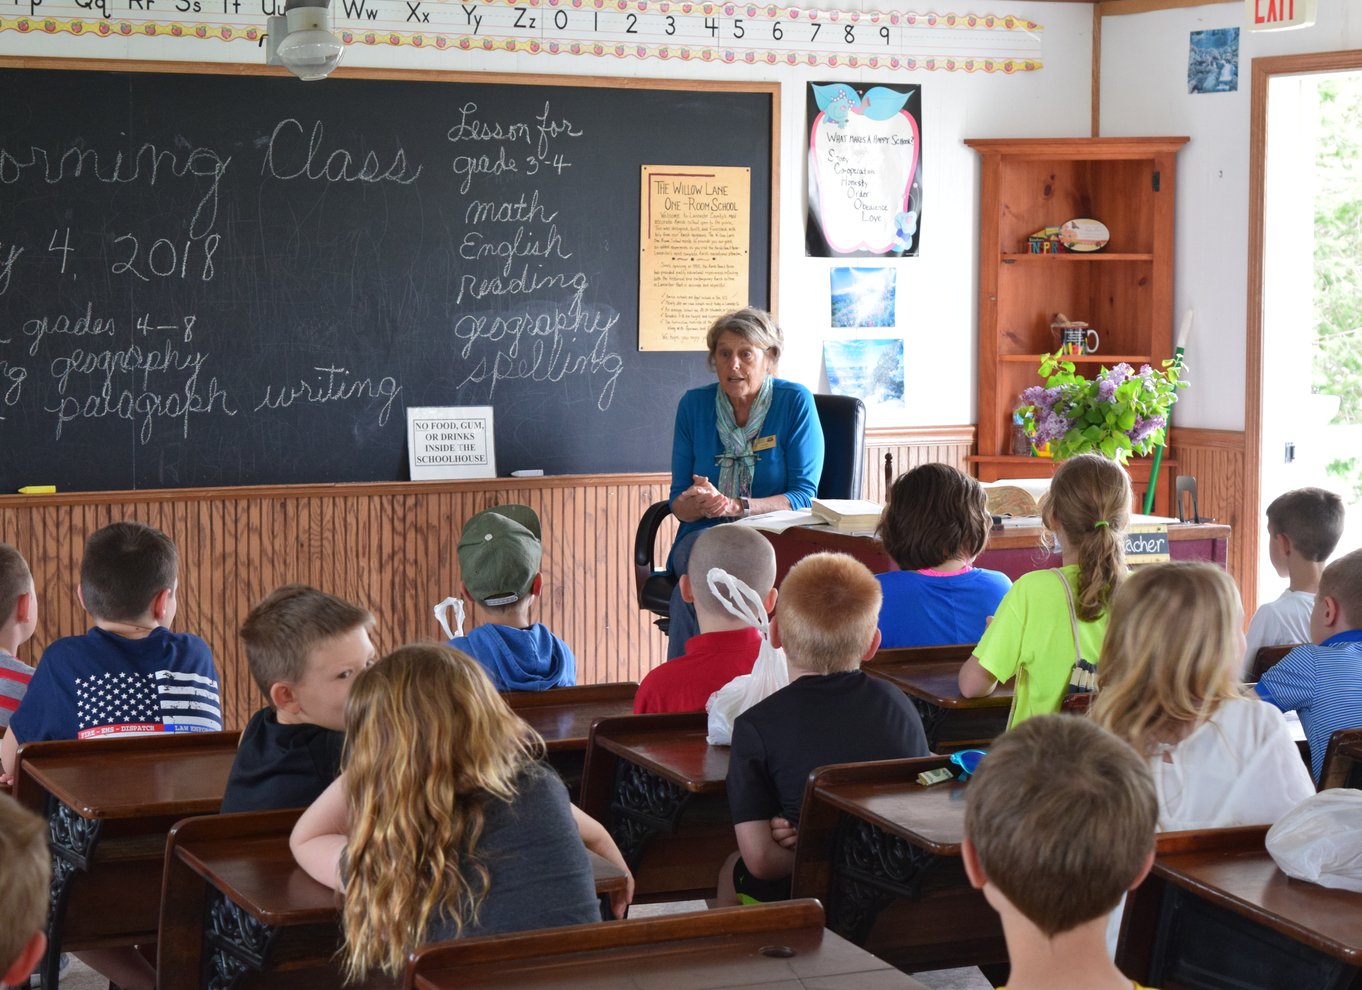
x,y
1158,451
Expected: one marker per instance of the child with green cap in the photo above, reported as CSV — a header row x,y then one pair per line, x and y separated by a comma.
x,y
499,557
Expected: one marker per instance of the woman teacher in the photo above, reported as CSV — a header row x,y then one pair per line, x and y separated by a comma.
x,y
748,444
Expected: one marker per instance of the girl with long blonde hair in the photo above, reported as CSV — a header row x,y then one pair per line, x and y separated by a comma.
x,y
1047,632
1168,685
444,823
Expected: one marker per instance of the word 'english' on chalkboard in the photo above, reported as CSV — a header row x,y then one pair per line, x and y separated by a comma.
x,y
209,279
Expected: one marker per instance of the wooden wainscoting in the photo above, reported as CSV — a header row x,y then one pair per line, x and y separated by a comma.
x,y
390,547
909,446
1218,461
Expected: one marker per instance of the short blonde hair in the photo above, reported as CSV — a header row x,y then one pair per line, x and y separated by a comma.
x,y
16,580
1342,581
27,864
756,326
1061,815
828,612
1171,652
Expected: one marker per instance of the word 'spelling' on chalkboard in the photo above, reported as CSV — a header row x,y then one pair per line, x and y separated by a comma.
x,y
211,280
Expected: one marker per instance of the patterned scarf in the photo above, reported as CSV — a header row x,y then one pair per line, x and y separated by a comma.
x,y
737,462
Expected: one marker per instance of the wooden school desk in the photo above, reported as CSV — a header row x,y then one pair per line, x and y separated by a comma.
x,y
1013,551
930,677
1216,913
237,911
109,805
882,853
660,789
563,717
770,945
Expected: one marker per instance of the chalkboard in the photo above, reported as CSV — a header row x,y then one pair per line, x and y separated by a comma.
x,y
211,279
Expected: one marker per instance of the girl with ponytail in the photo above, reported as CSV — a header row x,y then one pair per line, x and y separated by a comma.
x,y
1047,632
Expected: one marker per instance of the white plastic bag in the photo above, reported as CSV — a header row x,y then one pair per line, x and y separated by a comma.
x,y
1320,839
441,616
769,672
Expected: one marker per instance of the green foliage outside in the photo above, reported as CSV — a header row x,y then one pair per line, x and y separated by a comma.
x,y
1338,260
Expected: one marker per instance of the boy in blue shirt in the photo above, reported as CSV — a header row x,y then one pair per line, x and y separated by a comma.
x,y
304,648
1324,681
499,557
129,675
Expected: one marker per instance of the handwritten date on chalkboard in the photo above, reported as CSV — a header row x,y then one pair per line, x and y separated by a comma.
x,y
213,280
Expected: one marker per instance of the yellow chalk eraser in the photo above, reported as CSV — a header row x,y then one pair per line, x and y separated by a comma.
x,y
938,776
38,490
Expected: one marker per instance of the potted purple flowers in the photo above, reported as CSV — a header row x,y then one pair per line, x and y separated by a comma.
x,y
1118,413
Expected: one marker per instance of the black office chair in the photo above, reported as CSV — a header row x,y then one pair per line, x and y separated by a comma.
x,y
842,418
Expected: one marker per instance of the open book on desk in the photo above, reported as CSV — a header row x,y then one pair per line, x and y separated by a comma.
x,y
780,521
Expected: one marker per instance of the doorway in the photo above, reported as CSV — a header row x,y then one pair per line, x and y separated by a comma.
x,y
1308,298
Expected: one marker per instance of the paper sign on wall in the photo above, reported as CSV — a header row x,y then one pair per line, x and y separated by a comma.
x,y
450,442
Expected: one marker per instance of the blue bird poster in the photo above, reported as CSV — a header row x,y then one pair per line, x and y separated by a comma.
x,y
865,171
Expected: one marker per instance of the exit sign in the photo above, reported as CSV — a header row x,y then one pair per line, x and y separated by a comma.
x,y
1278,15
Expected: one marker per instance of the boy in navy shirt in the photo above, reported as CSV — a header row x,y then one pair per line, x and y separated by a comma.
x,y
304,648
129,675
830,712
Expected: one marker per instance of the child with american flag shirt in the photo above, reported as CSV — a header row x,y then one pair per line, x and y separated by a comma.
x,y
129,675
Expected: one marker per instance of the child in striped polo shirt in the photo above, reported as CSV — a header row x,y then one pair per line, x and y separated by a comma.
x,y
1324,681
19,609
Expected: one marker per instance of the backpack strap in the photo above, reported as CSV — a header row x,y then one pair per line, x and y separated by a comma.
x,y
1083,675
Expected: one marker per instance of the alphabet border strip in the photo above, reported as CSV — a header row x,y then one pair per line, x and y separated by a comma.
x,y
714,33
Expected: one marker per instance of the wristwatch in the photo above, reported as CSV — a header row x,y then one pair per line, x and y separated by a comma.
x,y
746,506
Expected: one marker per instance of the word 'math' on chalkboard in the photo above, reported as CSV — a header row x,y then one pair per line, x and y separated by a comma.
x,y
215,280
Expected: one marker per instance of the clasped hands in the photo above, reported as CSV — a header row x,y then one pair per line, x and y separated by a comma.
x,y
708,502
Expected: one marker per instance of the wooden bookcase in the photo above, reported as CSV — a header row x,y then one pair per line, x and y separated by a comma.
x,y
1124,291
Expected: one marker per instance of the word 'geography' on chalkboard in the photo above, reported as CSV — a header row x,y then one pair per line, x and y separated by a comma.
x,y
213,280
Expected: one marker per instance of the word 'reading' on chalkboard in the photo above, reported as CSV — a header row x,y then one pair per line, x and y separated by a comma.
x,y
212,280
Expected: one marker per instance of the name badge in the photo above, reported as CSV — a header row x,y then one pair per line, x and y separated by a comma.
x,y
764,443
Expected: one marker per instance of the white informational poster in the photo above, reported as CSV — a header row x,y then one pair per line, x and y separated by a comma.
x,y
865,170
445,442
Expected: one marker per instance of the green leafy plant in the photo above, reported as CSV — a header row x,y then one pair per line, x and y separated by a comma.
x,y
1120,412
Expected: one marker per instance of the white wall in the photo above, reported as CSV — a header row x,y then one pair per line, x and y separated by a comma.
x,y
1144,91
936,291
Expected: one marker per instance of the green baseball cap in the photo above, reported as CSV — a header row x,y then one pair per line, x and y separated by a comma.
x,y
499,554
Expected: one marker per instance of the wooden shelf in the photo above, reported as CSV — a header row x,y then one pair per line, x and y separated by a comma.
x,y
1107,359
1073,257
1125,291
1001,460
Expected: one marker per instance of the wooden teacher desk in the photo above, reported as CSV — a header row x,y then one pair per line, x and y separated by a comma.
x,y
1013,551
882,853
109,805
238,912
1216,913
660,789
